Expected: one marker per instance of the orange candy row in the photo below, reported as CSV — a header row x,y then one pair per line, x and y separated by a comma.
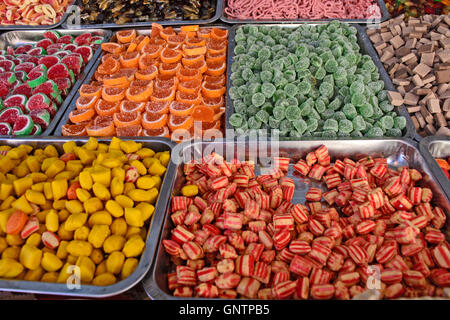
x,y
154,85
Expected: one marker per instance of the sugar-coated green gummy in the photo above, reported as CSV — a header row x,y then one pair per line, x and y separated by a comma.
x,y
236,120
400,122
300,125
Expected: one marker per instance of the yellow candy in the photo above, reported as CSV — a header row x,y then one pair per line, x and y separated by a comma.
x,y
101,175
10,268
111,163
133,247
50,151
30,257
50,277
102,147
21,170
145,182
16,153
146,210
124,201
7,164
68,175
75,221
114,208
118,173
63,233
133,217
114,144
34,275
51,262
74,206
5,190
165,158
59,204
4,244
22,204
96,256
98,235
55,167
82,233
14,239
35,197
117,186
139,166
113,243
101,268
91,144
93,205
4,216
129,267
114,262
64,274
33,163
38,177
139,195
87,269
21,185
101,192
158,181
6,204
48,192
156,169
119,227
79,248
145,153
190,190
131,231
83,195
100,217
86,156
75,166
69,146
62,250
104,279
85,180
34,240
128,187
130,146
59,188
11,253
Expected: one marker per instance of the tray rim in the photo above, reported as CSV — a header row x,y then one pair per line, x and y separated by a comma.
x,y
147,257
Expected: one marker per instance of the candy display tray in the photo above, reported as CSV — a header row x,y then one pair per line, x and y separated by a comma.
x,y
399,152
146,259
366,48
64,119
16,38
217,14
39,27
383,10
437,147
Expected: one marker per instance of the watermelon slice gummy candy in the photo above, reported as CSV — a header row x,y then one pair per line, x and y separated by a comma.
x,y
63,84
52,35
23,48
73,62
44,43
16,100
38,101
83,39
37,51
53,109
62,53
37,130
65,39
21,75
49,88
58,70
4,90
24,89
8,78
23,125
25,66
70,47
36,78
49,61
10,115
86,52
5,129
58,46
8,65
41,117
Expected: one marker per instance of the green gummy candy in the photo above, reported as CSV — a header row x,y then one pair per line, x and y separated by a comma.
x,y
258,99
300,125
331,124
350,111
345,126
400,122
236,120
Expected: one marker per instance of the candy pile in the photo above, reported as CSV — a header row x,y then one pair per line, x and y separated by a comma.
x,y
154,85
417,8
35,78
445,166
89,206
239,235
308,81
32,13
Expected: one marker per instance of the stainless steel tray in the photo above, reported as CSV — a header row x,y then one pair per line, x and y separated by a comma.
x,y
366,48
384,16
41,27
157,144
437,147
219,9
65,118
399,152
15,38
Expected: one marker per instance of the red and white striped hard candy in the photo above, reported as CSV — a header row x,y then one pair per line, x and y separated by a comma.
x,y
302,289
284,290
358,254
262,272
248,287
441,255
322,291
227,280
300,266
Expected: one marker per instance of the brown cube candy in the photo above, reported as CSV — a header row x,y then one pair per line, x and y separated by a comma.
x,y
440,120
397,41
422,70
433,105
413,109
410,99
430,129
443,131
444,55
443,76
395,98
427,58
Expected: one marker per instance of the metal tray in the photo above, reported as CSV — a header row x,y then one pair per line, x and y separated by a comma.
x,y
437,147
15,38
384,16
366,48
157,144
40,27
399,152
65,118
219,10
